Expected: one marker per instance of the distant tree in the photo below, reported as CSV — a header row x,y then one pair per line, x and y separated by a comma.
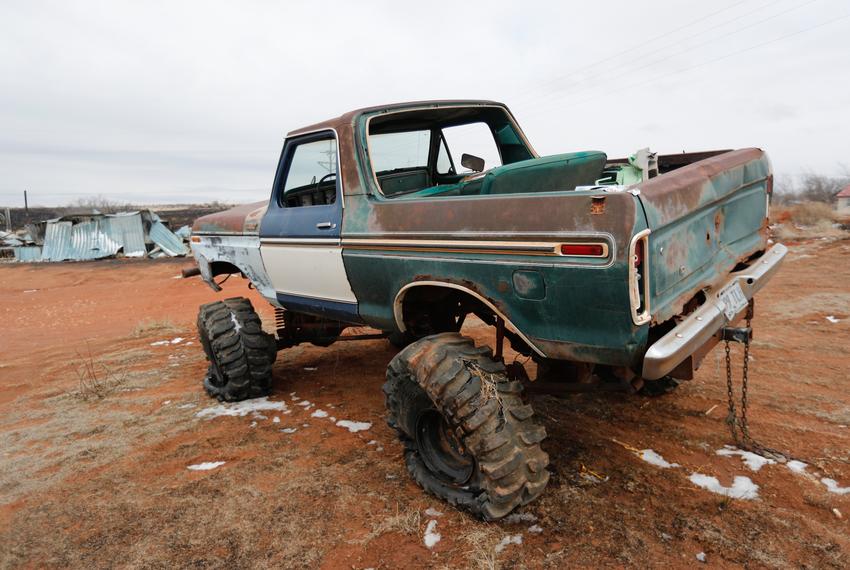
x,y
99,203
819,188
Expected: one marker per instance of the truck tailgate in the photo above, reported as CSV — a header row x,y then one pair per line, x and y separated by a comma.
x,y
704,219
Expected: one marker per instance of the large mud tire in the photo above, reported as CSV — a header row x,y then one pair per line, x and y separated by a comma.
x,y
495,462
240,353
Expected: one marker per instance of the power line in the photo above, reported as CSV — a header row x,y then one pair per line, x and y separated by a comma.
x,y
646,42
727,56
634,69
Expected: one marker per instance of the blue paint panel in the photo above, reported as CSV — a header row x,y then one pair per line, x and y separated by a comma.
x,y
339,310
301,221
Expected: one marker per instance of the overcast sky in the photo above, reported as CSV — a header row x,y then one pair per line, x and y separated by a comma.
x,y
159,102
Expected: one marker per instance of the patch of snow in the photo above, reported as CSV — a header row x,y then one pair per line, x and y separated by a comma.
x,y
535,529
236,326
833,487
371,442
431,537
206,466
288,430
305,403
177,340
515,518
701,556
333,419
185,406
305,425
165,403
832,319
742,487
508,540
160,343
432,512
275,420
379,449
253,424
354,426
30,290
242,408
259,416
188,343
319,414
310,368
796,466
751,460
654,458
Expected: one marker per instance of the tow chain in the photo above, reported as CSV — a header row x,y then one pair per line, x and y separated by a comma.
x,y
738,425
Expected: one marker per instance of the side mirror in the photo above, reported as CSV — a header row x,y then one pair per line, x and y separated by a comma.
x,y
472,162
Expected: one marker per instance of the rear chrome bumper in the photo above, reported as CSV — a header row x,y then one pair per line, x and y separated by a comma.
x,y
699,327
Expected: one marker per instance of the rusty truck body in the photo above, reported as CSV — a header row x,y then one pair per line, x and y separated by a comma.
x,y
410,217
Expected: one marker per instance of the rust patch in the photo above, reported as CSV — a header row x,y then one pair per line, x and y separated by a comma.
x,y
597,205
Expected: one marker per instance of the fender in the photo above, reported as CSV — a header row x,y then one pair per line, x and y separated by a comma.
x,y
399,298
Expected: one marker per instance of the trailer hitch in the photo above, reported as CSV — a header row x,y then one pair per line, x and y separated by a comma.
x,y
737,334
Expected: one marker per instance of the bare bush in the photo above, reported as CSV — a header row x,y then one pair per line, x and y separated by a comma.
x,y
96,380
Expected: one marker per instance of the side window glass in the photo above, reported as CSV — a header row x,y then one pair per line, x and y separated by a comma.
x,y
311,176
475,139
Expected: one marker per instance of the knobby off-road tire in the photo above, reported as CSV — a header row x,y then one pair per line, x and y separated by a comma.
x,y
240,353
468,436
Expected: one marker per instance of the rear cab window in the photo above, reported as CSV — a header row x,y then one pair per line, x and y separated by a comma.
x,y
426,153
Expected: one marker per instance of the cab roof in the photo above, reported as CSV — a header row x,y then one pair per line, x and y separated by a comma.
x,y
349,117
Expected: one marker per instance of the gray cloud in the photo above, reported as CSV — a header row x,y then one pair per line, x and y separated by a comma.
x,y
166,101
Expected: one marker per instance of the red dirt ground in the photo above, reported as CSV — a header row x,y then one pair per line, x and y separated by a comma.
x,y
94,474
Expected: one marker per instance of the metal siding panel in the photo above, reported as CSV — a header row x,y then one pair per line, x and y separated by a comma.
x,y
27,253
57,241
165,239
126,231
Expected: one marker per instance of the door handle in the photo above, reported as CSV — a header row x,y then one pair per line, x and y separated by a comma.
x,y
325,226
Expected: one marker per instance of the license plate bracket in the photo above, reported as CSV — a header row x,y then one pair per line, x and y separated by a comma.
x,y
732,300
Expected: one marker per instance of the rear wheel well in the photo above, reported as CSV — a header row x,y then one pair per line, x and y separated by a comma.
x,y
436,306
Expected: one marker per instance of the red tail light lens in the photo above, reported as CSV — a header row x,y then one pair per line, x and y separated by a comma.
x,y
638,253
583,249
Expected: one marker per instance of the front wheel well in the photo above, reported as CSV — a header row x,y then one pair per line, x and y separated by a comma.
x,y
223,268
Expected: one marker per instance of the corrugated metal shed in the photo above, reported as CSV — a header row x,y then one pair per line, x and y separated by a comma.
x,y
96,236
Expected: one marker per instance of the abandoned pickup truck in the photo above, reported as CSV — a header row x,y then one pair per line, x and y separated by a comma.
x,y
410,217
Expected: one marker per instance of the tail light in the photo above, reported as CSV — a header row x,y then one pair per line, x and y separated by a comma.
x,y
639,278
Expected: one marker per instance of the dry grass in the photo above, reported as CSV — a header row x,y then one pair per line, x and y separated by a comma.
x,y
404,521
150,326
807,220
482,549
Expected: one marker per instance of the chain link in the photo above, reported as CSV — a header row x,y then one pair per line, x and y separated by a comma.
x,y
739,425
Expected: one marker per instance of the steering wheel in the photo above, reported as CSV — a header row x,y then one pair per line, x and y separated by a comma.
x,y
322,179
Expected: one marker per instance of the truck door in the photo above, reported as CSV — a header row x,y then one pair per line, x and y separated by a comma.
x,y
300,233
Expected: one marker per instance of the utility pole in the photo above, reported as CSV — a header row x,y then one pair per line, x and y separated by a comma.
x,y
26,204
